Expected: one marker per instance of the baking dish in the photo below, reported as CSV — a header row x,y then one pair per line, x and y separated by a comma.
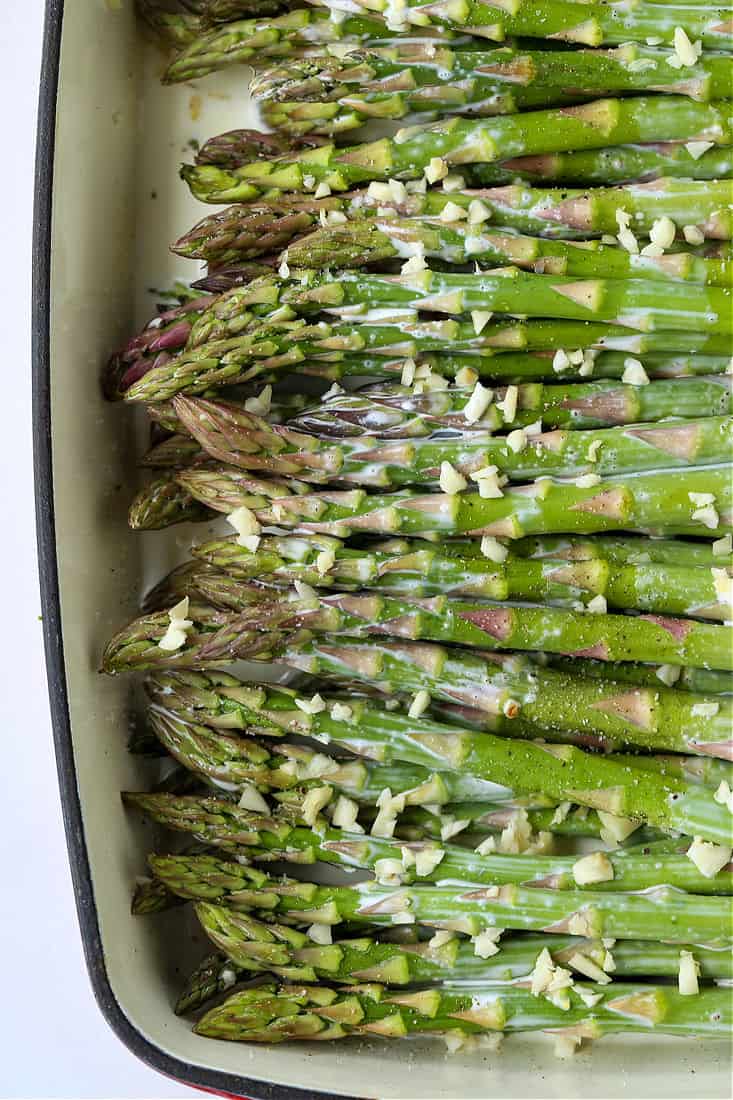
x,y
108,202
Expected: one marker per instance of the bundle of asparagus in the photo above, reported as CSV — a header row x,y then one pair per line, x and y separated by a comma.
x,y
497,578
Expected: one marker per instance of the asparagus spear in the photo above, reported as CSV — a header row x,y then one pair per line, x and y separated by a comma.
x,y
273,1014
252,945
411,569
373,240
633,502
631,303
220,824
689,917
618,164
285,345
238,762
457,141
328,95
294,34
602,710
557,19
164,502
240,232
701,680
229,434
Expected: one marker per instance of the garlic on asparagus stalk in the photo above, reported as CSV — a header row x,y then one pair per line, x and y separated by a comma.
x,y
258,837
689,917
185,700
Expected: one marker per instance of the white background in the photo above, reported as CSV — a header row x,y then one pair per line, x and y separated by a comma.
x,y
54,1040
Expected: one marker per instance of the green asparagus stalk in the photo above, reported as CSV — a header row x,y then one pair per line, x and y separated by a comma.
x,y
250,945
636,502
276,348
294,34
395,411
220,824
604,711
522,368
413,569
593,25
240,232
701,680
616,165
164,502
374,240
327,95
177,450
456,141
271,1014
482,624
236,762
229,434
631,303
299,32
498,686
689,917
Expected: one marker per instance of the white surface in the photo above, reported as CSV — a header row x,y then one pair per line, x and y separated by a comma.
x,y
54,1040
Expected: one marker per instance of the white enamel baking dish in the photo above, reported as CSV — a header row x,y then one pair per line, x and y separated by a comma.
x,y
108,203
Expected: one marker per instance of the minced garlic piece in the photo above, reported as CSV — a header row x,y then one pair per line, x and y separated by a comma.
x,y
320,933
480,319
508,406
597,606
450,481
427,860
723,546
708,858
543,972
419,704
615,829
587,481
587,996
311,706
487,846
414,265
689,972
516,835
596,867
452,212
696,149
345,813
477,403
634,373
178,627
517,440
313,803
244,522
466,376
452,826
478,212
261,404
586,966
436,170
663,232
441,937
708,516
403,917
486,944
693,235
322,191
453,182
325,561
723,795
560,361
723,585
494,550
251,799
389,872
408,372
686,53
669,674
341,712
625,236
